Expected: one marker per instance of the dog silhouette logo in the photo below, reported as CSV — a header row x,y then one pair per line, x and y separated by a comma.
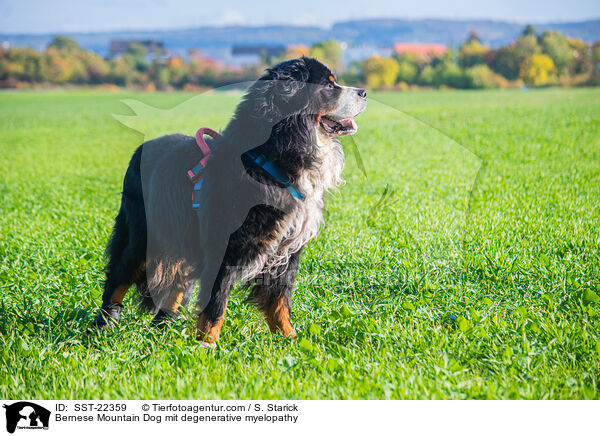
x,y
26,415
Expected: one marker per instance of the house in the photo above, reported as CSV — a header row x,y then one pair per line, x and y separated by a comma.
x,y
421,50
269,50
251,54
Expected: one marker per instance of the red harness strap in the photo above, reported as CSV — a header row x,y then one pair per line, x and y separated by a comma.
x,y
195,174
197,170
202,143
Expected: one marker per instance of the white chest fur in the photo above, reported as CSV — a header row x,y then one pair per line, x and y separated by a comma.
x,y
303,223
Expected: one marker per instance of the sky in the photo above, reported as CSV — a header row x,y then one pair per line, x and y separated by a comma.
x,y
47,16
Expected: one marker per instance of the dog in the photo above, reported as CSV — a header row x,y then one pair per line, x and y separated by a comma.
x,y
260,202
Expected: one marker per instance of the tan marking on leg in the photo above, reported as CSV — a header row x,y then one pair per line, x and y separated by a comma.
x,y
173,301
277,315
119,293
207,331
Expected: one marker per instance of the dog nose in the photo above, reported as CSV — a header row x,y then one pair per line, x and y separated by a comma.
x,y
362,93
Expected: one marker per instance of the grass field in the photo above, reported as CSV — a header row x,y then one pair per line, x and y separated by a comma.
x,y
465,264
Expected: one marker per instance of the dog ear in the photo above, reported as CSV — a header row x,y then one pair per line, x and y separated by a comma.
x,y
282,91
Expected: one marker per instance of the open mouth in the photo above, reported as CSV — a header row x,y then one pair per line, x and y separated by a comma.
x,y
341,127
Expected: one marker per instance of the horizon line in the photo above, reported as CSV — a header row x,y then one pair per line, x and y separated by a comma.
x,y
299,26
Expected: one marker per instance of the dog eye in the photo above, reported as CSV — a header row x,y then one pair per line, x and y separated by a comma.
x,y
330,86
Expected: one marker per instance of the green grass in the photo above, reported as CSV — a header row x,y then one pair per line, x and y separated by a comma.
x,y
464,265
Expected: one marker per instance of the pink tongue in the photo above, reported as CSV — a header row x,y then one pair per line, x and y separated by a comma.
x,y
347,123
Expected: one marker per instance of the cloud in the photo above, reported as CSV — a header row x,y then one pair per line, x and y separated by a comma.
x,y
232,17
305,20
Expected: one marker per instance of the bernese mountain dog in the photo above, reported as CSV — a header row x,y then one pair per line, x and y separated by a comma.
x,y
260,202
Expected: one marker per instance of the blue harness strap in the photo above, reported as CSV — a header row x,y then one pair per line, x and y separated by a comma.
x,y
196,173
267,165
196,194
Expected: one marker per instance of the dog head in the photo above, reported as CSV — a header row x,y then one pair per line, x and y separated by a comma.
x,y
307,86
333,105
301,88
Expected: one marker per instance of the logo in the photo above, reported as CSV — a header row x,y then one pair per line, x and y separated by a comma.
x,y
26,415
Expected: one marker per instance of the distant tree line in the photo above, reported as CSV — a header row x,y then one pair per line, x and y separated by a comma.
x,y
532,59
64,62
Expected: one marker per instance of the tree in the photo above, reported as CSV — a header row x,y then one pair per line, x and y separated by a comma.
x,y
55,67
582,61
448,74
20,64
352,76
595,75
412,58
121,73
528,30
481,76
472,52
380,72
505,62
407,72
62,62
163,76
555,45
64,43
329,52
96,67
177,70
526,46
426,76
473,37
537,70
135,56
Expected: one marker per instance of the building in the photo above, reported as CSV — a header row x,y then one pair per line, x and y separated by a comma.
x,y
251,54
421,50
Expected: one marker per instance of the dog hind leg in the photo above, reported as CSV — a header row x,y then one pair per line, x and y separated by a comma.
x,y
169,309
126,259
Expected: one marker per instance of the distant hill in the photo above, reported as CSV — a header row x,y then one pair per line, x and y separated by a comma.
x,y
379,33
384,32
208,39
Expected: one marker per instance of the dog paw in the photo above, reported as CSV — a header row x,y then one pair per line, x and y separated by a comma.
x,y
108,318
162,318
208,346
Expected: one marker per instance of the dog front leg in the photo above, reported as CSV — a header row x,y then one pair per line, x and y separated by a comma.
x,y
211,317
273,297
277,315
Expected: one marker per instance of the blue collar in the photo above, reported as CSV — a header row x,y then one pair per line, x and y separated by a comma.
x,y
268,165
